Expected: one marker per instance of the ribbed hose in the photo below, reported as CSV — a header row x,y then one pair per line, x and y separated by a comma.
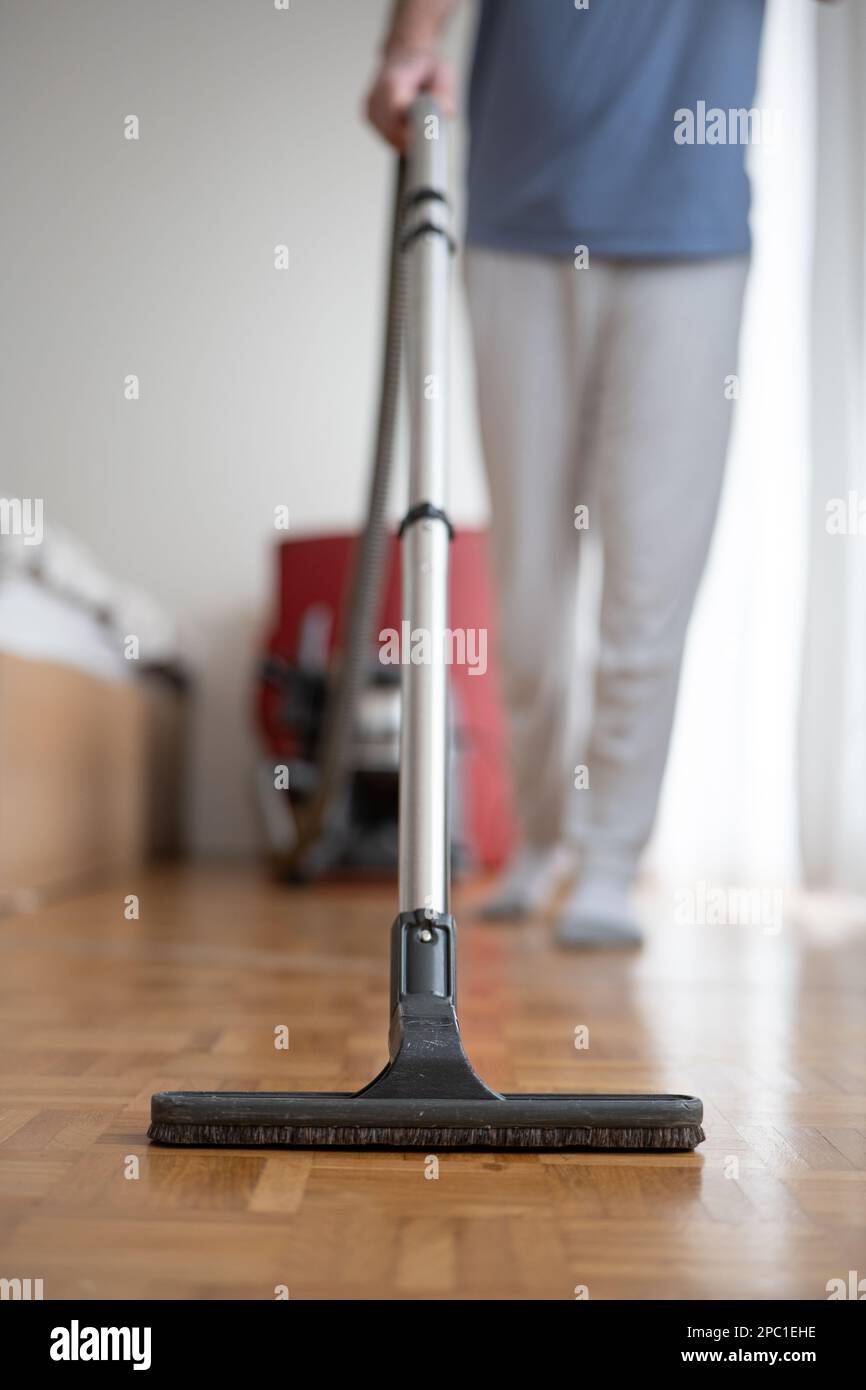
x,y
326,810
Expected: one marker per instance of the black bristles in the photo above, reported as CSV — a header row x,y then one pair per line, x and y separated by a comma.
x,y
669,1137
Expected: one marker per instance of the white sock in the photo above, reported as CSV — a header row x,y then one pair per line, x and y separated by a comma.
x,y
599,912
530,880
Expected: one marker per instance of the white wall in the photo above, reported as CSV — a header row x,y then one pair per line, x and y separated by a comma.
x,y
259,386
156,257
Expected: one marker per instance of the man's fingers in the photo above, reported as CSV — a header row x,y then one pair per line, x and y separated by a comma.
x,y
385,115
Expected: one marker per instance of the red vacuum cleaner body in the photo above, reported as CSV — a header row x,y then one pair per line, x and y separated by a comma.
x,y
312,575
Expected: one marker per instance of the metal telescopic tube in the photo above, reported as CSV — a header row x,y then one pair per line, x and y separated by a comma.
x,y
424,820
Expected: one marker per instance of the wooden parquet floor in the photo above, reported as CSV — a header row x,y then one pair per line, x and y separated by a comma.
x,y
97,1012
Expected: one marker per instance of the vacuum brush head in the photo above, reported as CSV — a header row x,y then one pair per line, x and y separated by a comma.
x,y
327,1120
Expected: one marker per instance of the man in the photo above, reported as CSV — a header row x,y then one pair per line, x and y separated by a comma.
x,y
607,257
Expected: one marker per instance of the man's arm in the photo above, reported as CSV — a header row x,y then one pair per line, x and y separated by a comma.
x,y
411,63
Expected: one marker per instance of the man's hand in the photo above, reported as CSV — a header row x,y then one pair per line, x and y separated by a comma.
x,y
403,75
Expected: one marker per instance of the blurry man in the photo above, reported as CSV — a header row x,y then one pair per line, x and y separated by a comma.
x,y
607,256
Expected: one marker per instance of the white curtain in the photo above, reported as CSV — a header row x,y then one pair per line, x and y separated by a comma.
x,y
731,804
767,776
833,710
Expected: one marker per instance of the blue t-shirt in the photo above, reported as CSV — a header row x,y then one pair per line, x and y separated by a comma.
x,y
575,138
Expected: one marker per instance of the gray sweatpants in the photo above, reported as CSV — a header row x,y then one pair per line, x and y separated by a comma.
x,y
606,387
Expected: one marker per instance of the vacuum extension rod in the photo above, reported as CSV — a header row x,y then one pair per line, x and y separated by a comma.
x,y
426,531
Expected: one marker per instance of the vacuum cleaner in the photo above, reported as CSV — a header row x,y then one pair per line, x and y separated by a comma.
x,y
428,1095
